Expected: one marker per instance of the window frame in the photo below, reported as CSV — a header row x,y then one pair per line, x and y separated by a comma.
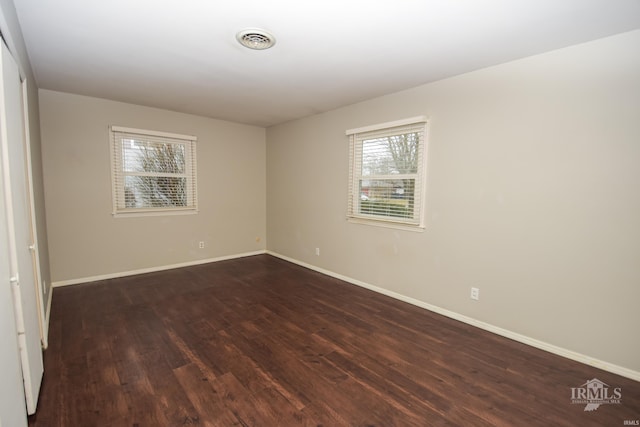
x,y
118,174
356,138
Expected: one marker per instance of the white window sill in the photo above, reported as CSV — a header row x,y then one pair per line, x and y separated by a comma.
x,y
387,224
168,212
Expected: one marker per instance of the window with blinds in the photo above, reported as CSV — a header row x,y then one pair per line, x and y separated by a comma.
x,y
152,172
387,173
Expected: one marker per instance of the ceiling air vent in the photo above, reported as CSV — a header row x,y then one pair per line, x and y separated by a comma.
x,y
255,39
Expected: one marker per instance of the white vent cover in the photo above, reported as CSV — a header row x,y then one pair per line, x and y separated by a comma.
x,y
254,38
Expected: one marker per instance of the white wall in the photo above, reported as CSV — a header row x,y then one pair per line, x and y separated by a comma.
x,y
533,172
86,241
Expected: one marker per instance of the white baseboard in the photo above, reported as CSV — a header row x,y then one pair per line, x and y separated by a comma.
x,y
151,269
578,357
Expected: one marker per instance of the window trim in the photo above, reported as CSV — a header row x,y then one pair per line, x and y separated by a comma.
x,y
353,202
117,172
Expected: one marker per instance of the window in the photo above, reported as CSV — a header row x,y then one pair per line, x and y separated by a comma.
x,y
152,172
386,173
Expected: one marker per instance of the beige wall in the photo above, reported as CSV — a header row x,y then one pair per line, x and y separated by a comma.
x,y
533,196
85,240
13,35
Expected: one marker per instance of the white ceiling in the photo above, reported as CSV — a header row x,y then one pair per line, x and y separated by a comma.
x,y
183,56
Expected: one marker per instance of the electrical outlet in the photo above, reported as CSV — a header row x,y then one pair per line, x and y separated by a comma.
x,y
475,294
201,245
317,251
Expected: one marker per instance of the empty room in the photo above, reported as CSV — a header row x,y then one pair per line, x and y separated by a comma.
x,y
338,213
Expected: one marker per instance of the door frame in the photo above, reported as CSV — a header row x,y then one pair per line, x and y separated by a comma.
x,y
34,249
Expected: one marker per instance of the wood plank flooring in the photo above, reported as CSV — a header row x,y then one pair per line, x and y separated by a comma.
x,y
261,342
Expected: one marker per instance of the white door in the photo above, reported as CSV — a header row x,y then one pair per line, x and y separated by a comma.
x,y
17,204
12,404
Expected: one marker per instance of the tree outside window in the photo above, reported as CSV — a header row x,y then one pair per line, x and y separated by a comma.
x,y
152,171
387,173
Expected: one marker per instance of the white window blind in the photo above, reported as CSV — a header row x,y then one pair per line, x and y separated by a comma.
x,y
153,172
387,172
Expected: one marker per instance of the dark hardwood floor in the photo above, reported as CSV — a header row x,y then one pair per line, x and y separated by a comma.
x,y
261,342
